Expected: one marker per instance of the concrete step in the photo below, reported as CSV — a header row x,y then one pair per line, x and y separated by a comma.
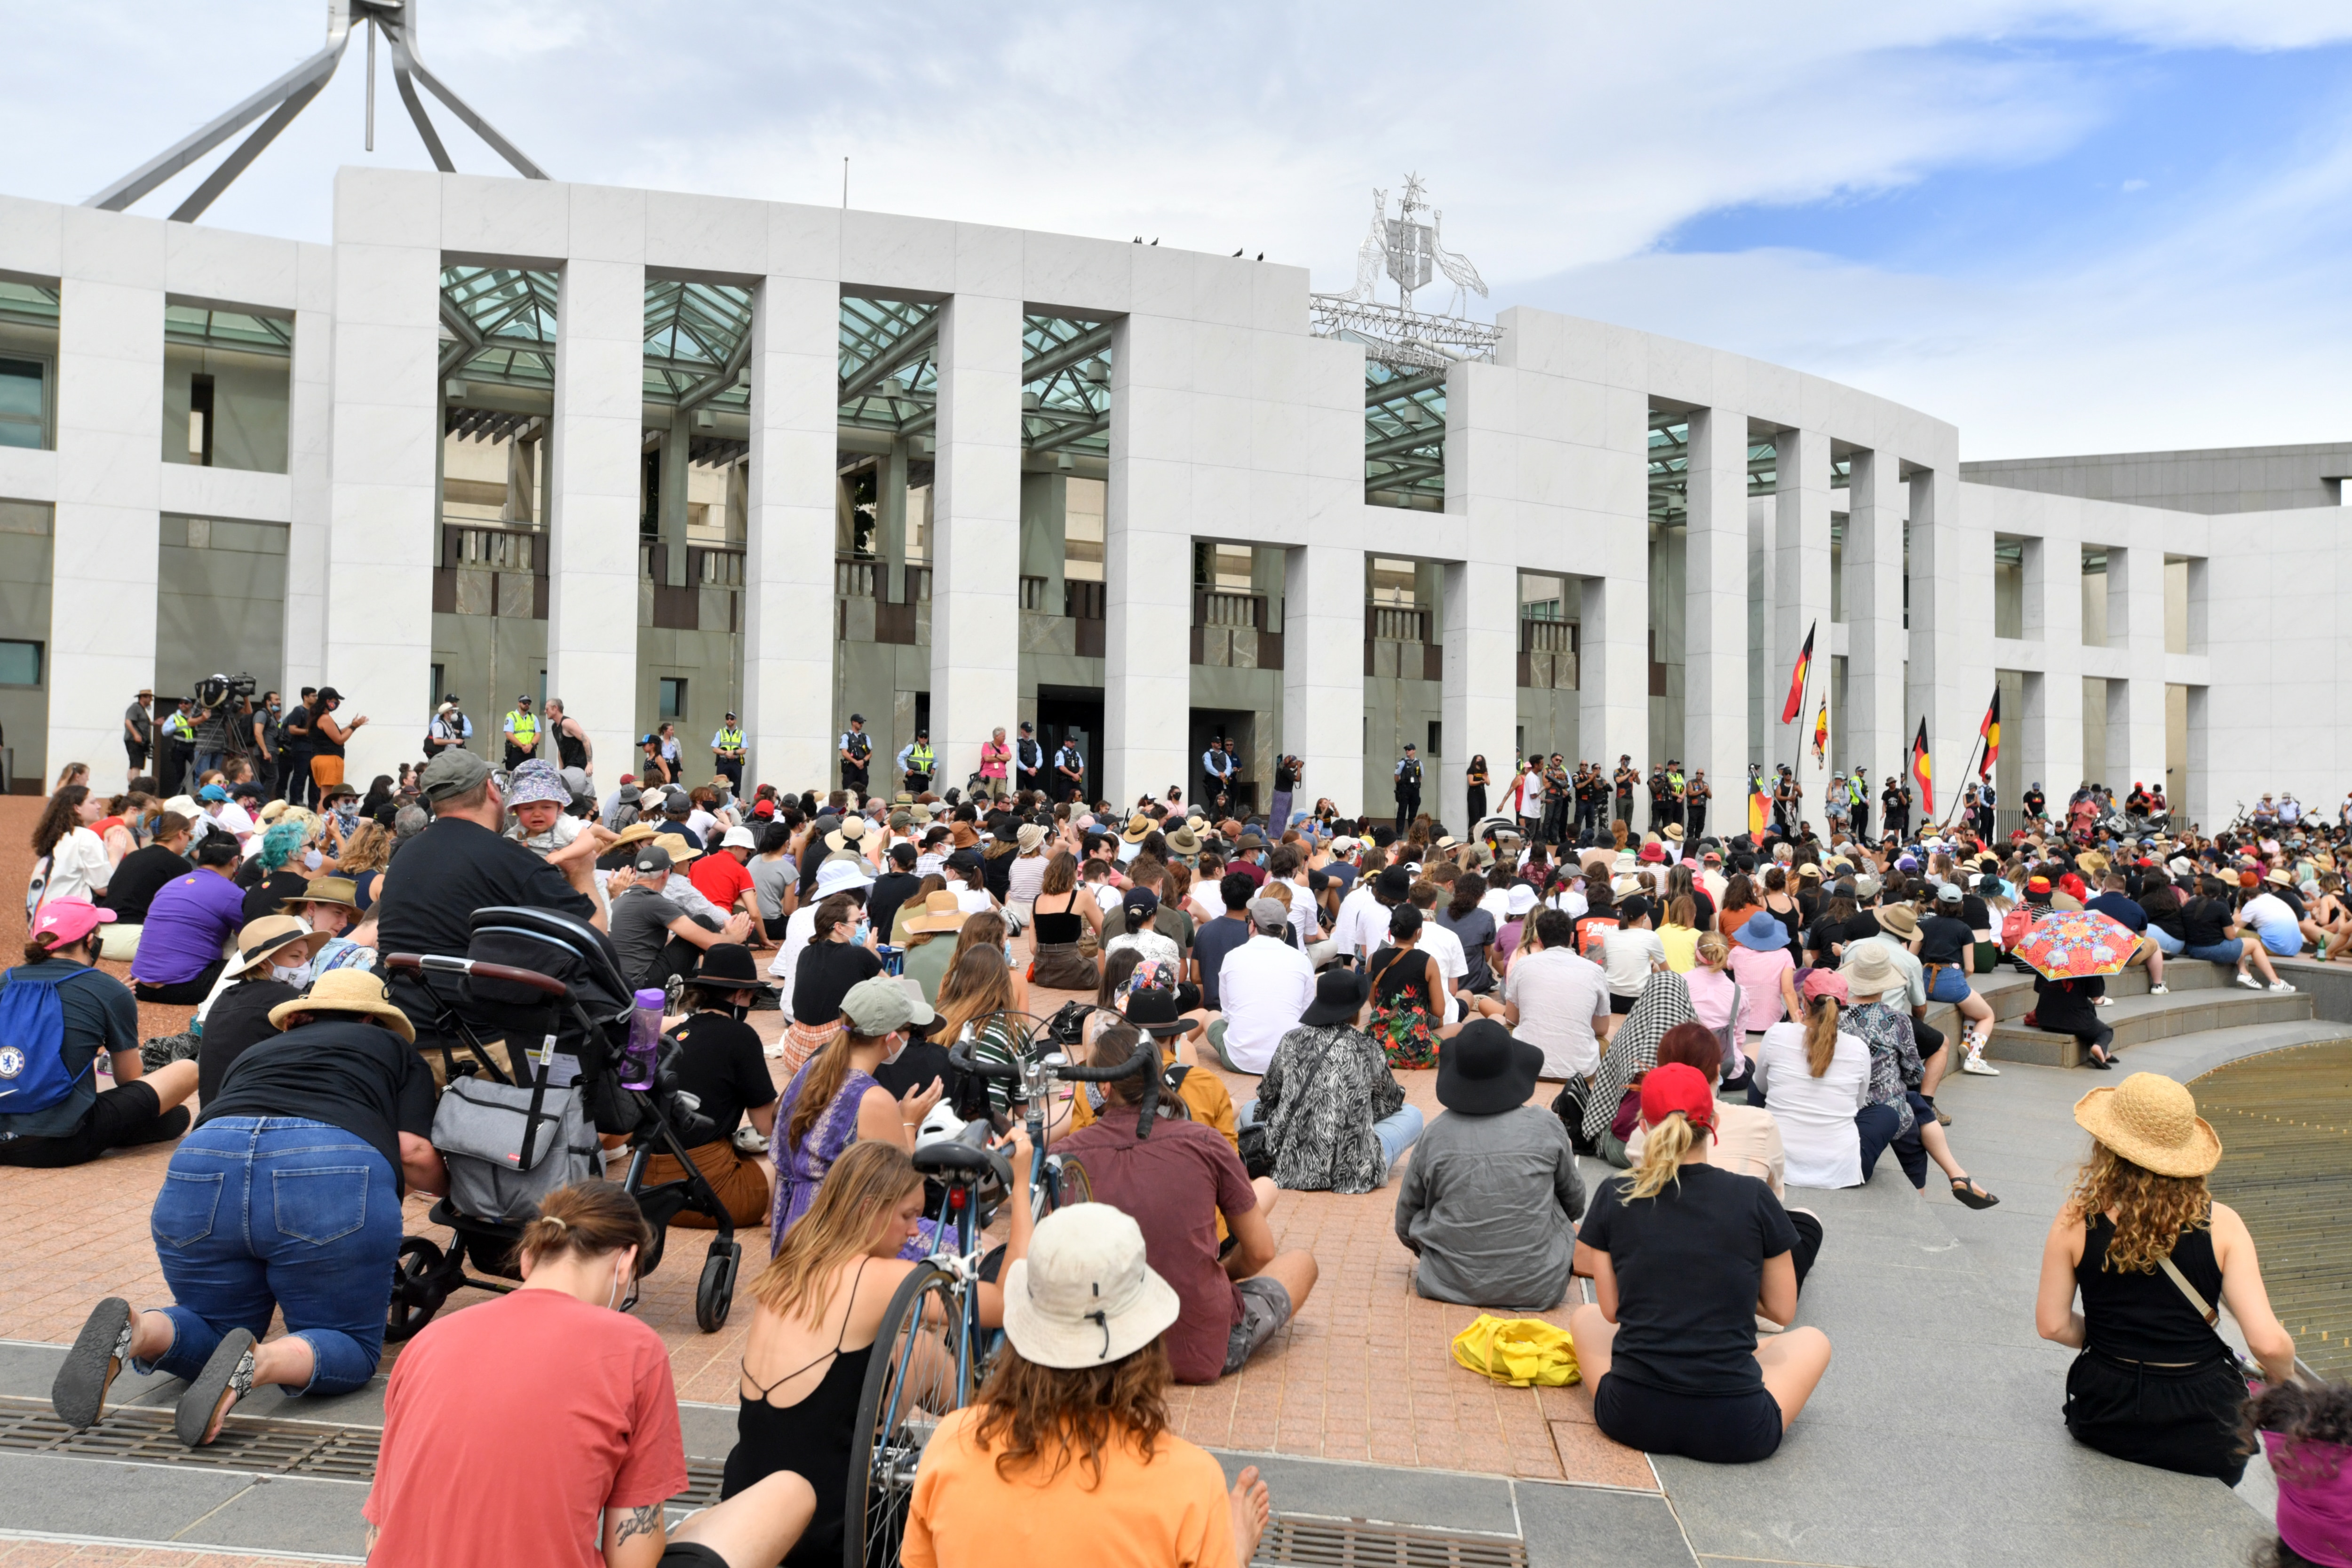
x,y
2012,994
2138,1020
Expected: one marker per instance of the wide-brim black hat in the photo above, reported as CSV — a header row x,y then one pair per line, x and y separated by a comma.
x,y
1483,1071
1338,996
729,965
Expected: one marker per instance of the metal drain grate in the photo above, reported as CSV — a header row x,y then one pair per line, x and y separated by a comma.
x,y
141,1435
1329,1543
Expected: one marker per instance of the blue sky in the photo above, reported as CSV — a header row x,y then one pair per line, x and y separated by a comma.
x,y
2105,224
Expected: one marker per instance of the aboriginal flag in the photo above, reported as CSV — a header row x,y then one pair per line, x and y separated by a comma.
x,y
1990,731
1822,734
1923,774
1758,805
1796,702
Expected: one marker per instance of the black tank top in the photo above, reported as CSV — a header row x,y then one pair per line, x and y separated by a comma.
x,y
569,748
2143,1317
1062,929
813,1438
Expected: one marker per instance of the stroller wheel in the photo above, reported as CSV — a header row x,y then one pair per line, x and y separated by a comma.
x,y
417,1291
716,1294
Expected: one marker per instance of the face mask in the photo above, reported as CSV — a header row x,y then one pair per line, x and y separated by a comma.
x,y
298,976
897,1047
864,929
313,859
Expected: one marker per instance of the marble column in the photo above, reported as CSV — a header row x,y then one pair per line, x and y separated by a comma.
x,y
976,532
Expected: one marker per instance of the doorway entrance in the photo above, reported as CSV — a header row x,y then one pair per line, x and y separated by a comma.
x,y
1072,713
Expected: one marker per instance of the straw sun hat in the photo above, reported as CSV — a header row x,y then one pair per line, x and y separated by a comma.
x,y
2153,1122
347,991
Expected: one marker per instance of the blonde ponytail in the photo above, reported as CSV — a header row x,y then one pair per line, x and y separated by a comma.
x,y
1821,1035
1662,1148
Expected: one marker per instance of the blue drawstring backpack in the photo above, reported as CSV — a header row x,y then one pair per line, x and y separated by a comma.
x,y
33,1075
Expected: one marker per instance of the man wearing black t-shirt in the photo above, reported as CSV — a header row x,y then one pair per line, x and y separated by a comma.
x,y
461,864
892,887
721,1063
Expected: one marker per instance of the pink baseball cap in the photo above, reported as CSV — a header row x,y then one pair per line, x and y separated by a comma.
x,y
68,920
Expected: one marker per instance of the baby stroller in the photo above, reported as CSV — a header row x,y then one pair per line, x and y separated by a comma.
x,y
530,975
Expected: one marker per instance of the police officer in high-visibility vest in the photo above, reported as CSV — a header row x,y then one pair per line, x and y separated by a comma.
x,y
857,755
522,733
915,762
179,747
1677,793
727,747
1408,787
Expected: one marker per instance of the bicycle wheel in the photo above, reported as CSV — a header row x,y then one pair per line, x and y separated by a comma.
x,y
916,1376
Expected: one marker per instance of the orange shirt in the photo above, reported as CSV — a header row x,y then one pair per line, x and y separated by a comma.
x,y
1172,1511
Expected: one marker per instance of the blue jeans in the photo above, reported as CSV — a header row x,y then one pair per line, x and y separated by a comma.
x,y
1396,1132
260,1213
2226,951
2166,943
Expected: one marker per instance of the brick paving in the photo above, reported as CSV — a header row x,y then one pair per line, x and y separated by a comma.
x,y
1365,1373
26,1552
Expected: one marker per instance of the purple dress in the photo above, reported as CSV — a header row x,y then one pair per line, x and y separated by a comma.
x,y
800,1169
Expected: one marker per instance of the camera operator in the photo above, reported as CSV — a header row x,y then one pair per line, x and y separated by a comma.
x,y
214,711
294,784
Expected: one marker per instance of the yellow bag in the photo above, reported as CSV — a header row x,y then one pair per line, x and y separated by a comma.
x,y
1518,1351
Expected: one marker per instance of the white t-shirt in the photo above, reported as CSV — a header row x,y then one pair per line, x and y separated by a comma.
x,y
797,931
2268,912
1558,994
1362,924
1106,897
238,820
1627,955
1446,947
1815,1114
701,822
1264,985
78,867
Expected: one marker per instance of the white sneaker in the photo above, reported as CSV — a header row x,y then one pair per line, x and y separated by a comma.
x,y
2159,990
2280,985
2103,1001
1974,1062
2248,981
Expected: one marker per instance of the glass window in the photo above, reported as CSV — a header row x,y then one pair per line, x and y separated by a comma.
x,y
23,406
672,698
20,664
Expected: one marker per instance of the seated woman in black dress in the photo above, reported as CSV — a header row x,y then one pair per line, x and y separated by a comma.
x,y
821,1301
2138,1237
1683,1256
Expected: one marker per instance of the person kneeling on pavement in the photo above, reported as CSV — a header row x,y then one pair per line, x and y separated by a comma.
x,y
285,1197
58,1012
1489,1204
1178,1184
1335,1118
722,1064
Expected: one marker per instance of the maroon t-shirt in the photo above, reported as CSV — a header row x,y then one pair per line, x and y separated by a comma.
x,y
1172,1185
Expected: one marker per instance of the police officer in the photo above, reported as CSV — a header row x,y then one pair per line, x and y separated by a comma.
x,y
1408,787
857,755
1069,771
916,759
1677,790
1857,805
1028,758
179,732
449,727
521,732
727,748
1217,775
1987,799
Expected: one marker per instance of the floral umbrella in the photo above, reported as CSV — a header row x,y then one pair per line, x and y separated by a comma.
x,y
2070,944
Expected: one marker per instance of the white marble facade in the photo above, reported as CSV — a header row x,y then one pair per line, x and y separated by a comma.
x,y
1230,422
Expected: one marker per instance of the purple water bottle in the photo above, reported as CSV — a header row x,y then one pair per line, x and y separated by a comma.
x,y
638,1057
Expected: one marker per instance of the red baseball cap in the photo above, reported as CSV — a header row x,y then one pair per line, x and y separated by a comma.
x,y
68,920
1675,1087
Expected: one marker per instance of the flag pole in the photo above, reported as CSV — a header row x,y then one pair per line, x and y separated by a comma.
x,y
1961,792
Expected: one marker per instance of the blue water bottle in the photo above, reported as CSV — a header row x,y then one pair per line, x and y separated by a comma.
x,y
637,1058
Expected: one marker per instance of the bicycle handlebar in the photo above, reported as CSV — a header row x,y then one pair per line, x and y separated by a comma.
x,y
1145,1062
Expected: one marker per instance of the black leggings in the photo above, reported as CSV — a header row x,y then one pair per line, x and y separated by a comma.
x,y
186,992
1716,1429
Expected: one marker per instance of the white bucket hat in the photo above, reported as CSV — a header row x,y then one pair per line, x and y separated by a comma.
x,y
1083,1296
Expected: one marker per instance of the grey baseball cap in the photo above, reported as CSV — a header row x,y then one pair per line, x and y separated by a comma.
x,y
1268,914
652,858
882,1004
452,773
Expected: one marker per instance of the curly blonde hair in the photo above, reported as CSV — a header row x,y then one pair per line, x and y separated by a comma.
x,y
2152,1212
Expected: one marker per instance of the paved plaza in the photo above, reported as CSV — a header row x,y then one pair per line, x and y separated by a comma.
x,y
1935,1439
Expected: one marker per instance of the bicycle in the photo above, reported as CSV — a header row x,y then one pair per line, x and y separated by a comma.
x,y
931,1351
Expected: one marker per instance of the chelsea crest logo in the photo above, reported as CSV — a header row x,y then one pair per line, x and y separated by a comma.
x,y
12,1061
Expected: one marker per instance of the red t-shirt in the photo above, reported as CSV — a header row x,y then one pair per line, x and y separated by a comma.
x,y
720,877
1172,1186
509,1426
